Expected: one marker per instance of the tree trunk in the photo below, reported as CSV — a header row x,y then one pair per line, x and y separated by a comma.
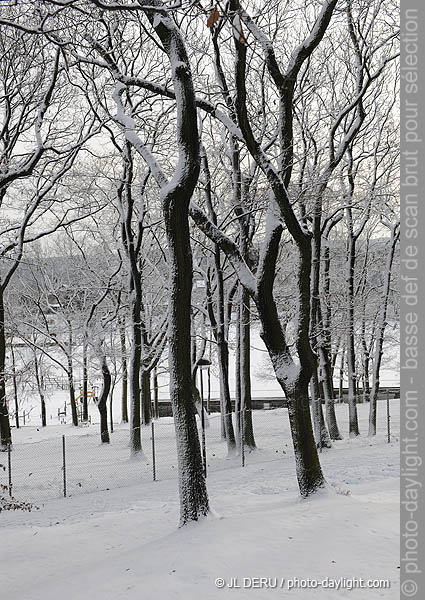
x,y
381,332
293,379
70,374
40,391
351,356
71,391
245,370
146,402
124,409
331,421
192,485
5,433
309,472
15,385
85,382
325,349
155,393
135,363
320,431
317,328
103,402
341,375
238,390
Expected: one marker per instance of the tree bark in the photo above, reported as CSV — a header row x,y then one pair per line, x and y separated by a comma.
x,y
245,370
395,234
146,401
103,401
5,432
351,355
155,393
176,196
135,364
85,382
70,374
15,385
192,488
123,341
40,391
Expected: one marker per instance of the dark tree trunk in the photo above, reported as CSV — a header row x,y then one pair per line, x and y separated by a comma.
x,y
111,412
145,377
341,375
71,391
155,393
294,380
351,355
317,327
219,328
70,375
135,364
238,390
245,370
325,350
103,402
15,385
320,431
192,487
226,402
40,391
395,233
85,382
123,341
5,433
329,397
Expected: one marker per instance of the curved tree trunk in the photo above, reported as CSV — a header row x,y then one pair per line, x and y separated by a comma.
x,y
103,402
176,196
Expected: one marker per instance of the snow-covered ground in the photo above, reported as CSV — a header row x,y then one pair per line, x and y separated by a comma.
x,y
124,542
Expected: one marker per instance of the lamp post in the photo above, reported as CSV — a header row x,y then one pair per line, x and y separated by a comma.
x,y
203,363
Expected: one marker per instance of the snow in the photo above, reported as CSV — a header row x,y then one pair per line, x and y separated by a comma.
x,y
124,542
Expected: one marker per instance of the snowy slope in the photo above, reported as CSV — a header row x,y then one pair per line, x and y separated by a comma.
x,y
124,543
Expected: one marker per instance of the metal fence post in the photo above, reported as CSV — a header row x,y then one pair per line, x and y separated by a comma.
x,y
9,466
153,452
64,466
388,417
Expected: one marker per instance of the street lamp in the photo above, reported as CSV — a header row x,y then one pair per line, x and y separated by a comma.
x,y
203,363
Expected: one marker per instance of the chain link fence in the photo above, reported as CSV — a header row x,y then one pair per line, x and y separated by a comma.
x,y
78,463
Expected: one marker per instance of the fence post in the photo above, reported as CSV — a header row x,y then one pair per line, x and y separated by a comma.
x,y
64,466
9,466
153,452
388,417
